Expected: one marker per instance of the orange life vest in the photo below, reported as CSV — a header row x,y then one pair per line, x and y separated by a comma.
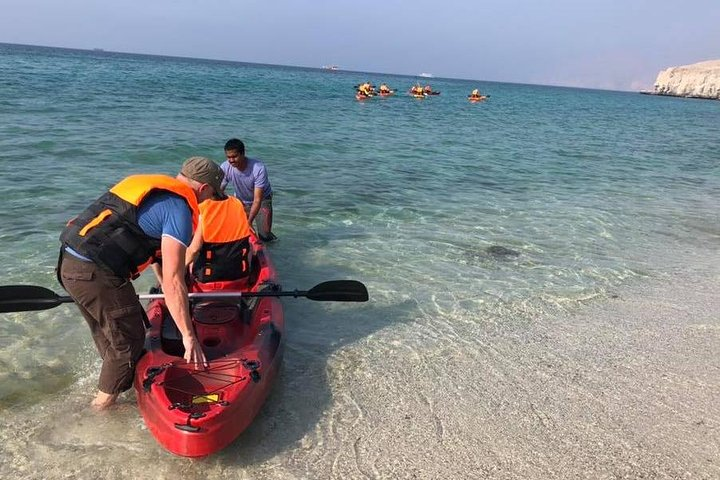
x,y
107,232
226,232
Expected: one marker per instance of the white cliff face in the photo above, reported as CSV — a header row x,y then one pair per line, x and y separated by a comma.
x,y
700,80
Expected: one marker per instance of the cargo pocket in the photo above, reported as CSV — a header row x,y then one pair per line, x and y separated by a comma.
x,y
77,275
127,330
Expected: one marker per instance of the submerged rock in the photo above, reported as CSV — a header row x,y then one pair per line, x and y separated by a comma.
x,y
699,80
500,251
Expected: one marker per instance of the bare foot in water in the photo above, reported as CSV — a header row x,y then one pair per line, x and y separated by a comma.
x,y
103,401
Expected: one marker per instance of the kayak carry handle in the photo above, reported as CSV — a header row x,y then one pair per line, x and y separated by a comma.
x,y
187,428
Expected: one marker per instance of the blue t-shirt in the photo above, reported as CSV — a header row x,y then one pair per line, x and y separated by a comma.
x,y
244,182
166,214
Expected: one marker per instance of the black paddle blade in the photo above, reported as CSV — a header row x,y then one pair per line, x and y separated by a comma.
x,y
339,291
25,298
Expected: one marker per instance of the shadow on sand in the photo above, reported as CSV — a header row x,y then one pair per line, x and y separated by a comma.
x,y
314,332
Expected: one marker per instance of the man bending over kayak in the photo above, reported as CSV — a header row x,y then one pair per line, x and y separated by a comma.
x,y
141,220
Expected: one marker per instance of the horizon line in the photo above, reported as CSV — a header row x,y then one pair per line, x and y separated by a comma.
x,y
99,50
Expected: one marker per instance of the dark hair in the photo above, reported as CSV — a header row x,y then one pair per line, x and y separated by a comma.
x,y
235,145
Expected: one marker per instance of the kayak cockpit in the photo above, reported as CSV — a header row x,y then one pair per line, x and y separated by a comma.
x,y
221,328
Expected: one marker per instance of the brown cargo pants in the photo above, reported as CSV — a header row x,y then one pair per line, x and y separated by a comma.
x,y
115,317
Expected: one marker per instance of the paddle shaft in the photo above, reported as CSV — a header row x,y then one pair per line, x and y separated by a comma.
x,y
155,296
21,298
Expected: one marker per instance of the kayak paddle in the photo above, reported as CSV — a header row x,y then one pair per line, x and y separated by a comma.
x,y
25,298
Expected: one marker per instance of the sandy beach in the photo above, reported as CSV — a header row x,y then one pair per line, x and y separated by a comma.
x,y
626,389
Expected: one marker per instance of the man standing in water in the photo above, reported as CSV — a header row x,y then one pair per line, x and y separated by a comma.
x,y
141,220
249,179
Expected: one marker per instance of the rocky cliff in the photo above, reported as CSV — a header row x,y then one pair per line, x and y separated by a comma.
x,y
699,80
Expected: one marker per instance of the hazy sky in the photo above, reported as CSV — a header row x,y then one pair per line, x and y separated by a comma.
x,y
611,44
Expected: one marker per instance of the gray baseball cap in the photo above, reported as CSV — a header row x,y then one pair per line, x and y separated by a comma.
x,y
204,170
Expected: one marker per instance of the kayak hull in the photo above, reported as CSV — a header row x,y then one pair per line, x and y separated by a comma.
x,y
194,412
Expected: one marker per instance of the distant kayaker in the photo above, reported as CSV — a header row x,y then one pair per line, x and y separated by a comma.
x,y
141,220
366,89
220,246
384,88
249,179
427,90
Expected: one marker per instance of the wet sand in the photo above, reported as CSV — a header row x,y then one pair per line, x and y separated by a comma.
x,y
628,388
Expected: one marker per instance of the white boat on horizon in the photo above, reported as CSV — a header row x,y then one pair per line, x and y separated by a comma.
x,y
330,67
426,75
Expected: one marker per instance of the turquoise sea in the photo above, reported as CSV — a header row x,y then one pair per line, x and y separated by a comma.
x,y
465,221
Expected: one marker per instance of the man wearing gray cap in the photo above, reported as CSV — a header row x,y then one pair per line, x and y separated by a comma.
x,y
141,220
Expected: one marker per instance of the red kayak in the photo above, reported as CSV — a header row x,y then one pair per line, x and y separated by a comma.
x,y
195,412
479,98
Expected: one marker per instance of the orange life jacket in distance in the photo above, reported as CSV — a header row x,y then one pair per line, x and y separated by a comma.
x,y
226,245
107,232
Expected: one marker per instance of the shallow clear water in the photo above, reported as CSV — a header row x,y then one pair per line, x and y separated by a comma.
x,y
461,219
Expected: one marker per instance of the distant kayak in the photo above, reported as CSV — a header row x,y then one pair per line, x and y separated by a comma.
x,y
362,96
477,99
387,94
432,93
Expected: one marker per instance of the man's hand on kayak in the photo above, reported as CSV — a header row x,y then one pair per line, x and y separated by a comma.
x,y
193,352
